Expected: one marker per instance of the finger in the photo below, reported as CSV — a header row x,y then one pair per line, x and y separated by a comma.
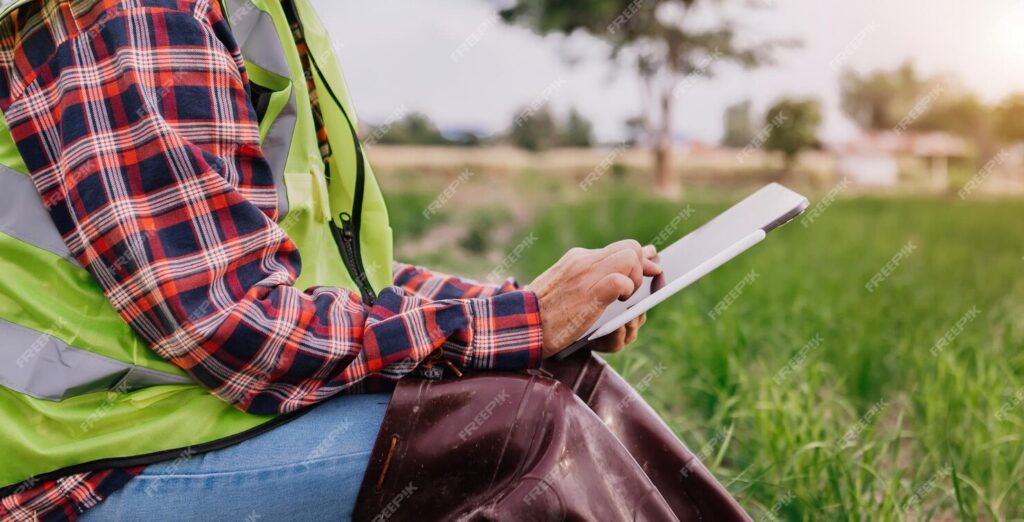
x,y
635,322
631,245
651,268
619,340
612,287
627,263
643,318
611,343
632,330
651,262
626,245
631,335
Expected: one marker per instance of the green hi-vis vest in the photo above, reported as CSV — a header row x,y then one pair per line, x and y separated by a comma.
x,y
78,389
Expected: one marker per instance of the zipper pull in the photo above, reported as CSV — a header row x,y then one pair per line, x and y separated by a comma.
x,y
346,226
348,247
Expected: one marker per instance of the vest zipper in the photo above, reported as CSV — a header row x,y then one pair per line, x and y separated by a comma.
x,y
347,236
348,246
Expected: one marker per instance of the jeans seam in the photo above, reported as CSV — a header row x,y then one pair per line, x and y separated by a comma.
x,y
287,466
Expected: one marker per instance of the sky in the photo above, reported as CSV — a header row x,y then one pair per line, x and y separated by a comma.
x,y
452,60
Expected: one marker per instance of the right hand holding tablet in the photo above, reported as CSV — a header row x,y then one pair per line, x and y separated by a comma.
x,y
575,291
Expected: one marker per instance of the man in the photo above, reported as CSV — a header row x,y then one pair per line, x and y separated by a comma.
x,y
236,230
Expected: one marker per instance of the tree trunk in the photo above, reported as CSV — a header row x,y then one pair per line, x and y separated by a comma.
x,y
648,108
664,180
788,164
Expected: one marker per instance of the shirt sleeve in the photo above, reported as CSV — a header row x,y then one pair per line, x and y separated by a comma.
x,y
429,284
143,144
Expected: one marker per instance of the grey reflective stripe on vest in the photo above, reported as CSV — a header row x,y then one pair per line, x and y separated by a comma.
x,y
42,366
23,216
258,40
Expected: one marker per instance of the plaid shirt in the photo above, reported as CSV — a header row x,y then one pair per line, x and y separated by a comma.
x,y
134,119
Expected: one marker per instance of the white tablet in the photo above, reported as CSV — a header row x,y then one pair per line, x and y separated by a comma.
x,y
730,233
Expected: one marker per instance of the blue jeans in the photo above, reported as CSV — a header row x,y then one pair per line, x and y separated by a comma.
x,y
307,469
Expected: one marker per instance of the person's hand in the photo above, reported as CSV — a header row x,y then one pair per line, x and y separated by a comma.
x,y
575,291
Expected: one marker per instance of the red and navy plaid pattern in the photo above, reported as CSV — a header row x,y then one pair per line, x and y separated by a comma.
x,y
63,499
134,119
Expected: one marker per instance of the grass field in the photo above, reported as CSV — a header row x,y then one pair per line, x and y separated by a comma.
x,y
809,394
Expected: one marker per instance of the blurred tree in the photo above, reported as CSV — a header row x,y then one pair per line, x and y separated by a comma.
x,y
794,127
881,99
667,53
962,114
535,129
579,132
739,125
413,129
1009,118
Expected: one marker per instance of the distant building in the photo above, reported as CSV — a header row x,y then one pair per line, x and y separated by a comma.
x,y
874,158
1003,174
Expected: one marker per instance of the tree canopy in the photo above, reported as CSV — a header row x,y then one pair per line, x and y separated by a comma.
x,y
1010,118
793,127
879,100
663,45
